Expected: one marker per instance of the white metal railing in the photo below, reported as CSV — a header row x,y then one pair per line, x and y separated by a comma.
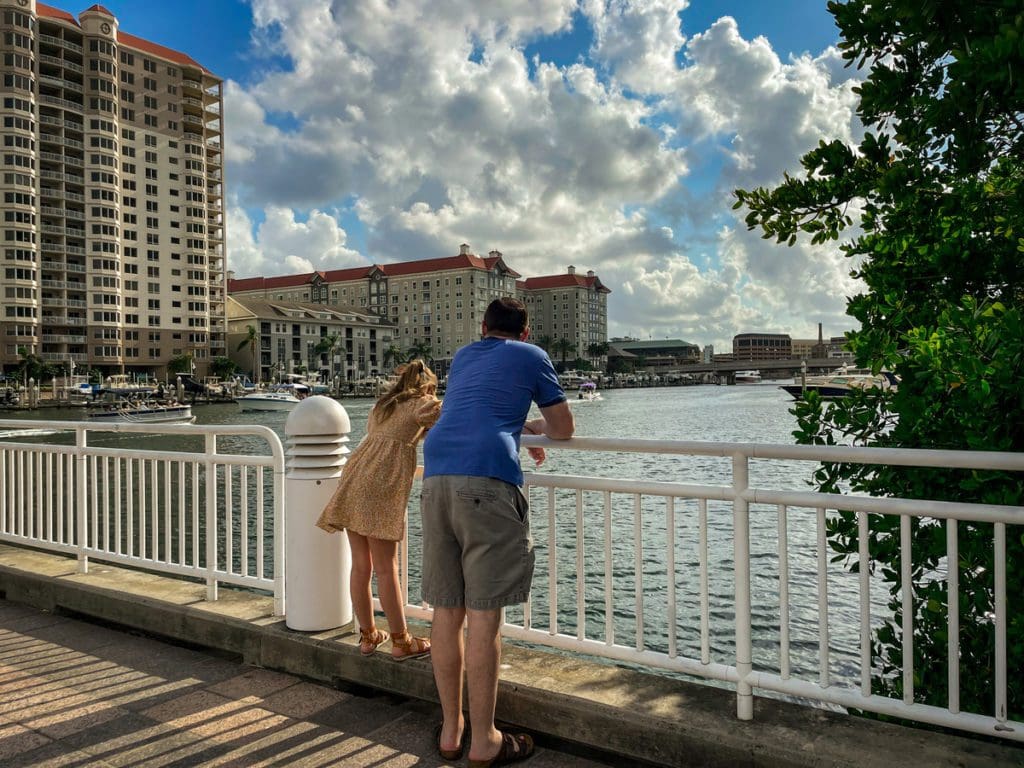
x,y
197,513
589,597
730,582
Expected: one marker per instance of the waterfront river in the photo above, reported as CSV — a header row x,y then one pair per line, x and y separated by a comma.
x,y
756,413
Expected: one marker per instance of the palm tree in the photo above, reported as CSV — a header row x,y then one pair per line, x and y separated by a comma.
x,y
392,355
544,342
31,366
326,347
252,341
420,349
564,347
598,349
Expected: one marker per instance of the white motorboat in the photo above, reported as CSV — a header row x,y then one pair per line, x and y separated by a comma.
x,y
747,377
588,392
143,412
283,397
833,386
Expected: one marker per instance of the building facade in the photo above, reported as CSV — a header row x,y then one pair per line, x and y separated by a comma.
x,y
568,314
437,305
332,343
656,355
112,188
762,346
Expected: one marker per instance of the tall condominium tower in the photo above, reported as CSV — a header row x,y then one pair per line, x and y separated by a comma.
x,y
112,186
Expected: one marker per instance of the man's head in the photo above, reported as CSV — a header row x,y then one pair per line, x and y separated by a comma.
x,y
506,317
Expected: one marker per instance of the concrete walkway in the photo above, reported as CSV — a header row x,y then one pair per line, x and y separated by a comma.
x,y
80,694
237,687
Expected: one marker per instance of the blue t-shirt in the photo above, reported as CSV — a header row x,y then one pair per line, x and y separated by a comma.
x,y
491,385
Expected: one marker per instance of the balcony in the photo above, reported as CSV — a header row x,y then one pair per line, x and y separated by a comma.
x,y
62,103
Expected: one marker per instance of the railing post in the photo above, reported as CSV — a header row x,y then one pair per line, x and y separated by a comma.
x,y
210,446
81,494
741,556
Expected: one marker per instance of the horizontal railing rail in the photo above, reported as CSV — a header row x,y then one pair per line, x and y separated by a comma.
x,y
651,572
206,514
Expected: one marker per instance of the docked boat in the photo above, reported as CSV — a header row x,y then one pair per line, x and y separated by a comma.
x,y
747,377
283,397
143,412
833,386
125,385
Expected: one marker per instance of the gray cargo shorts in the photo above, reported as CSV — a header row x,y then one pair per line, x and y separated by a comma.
x,y
477,548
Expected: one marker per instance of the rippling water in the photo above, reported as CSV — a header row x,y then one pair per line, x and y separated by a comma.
x,y
746,413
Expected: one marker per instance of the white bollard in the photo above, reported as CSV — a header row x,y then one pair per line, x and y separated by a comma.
x,y
316,563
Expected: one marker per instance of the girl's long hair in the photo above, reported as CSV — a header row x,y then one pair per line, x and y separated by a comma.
x,y
415,380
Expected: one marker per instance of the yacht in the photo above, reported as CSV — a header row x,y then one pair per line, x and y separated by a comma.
x,y
282,397
832,386
747,377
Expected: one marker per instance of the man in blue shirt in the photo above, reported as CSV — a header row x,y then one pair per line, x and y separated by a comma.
x,y
477,550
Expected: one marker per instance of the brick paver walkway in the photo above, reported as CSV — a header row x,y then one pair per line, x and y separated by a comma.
x,y
78,694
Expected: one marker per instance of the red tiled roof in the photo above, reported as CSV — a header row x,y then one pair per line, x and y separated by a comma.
x,y
153,49
398,269
463,261
564,281
55,13
342,275
269,283
124,38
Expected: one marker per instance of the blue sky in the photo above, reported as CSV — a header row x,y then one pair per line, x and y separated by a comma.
x,y
606,134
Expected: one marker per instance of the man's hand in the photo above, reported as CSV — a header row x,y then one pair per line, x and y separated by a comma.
x,y
537,454
535,427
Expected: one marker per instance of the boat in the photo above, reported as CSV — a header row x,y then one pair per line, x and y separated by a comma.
x,y
125,385
282,397
143,412
588,392
832,386
747,377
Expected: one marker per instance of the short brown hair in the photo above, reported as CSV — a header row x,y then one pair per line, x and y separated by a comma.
x,y
506,315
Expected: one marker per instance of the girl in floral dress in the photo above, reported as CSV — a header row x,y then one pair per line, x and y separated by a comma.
x,y
370,505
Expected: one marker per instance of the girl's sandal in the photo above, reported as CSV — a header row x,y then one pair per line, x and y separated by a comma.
x,y
370,639
405,646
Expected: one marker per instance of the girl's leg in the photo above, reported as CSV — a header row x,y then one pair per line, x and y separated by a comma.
x,y
359,580
385,561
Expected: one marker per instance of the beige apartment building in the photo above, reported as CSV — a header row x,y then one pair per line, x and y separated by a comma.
x,y
329,343
436,305
112,188
568,314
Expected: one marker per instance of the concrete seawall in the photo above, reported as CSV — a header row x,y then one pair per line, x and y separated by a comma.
x,y
636,715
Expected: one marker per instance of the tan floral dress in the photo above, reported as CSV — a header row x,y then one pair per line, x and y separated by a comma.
x,y
373,492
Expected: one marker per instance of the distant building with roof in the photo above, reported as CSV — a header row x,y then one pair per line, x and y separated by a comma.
x,y
762,346
437,305
113,222
296,335
655,354
568,314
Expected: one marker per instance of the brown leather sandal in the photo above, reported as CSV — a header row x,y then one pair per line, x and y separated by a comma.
x,y
370,639
514,747
405,646
451,755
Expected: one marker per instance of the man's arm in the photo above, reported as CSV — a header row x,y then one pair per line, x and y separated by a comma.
x,y
556,422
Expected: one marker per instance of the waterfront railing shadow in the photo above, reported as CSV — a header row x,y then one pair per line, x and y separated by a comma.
x,y
730,581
